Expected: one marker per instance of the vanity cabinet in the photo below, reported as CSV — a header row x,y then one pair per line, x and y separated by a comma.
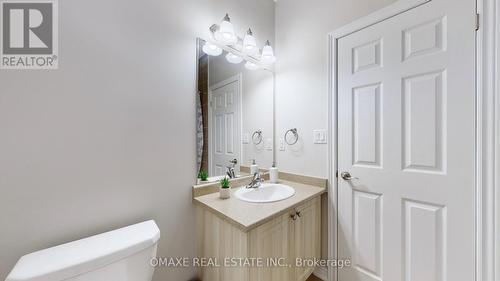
x,y
276,244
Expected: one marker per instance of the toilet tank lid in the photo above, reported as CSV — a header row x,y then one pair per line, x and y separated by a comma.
x,y
81,256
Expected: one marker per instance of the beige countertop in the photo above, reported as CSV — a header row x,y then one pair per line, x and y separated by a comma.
x,y
248,215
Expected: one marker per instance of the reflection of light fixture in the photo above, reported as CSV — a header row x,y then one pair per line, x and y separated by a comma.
x,y
249,43
211,49
251,66
232,58
225,34
268,54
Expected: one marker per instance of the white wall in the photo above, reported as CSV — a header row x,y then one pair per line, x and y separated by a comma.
x,y
302,68
109,139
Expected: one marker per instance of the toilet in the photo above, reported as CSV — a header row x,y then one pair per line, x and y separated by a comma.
x,y
120,255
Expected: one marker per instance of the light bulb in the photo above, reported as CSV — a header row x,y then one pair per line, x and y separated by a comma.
x,y
225,34
249,43
268,54
211,49
232,58
251,66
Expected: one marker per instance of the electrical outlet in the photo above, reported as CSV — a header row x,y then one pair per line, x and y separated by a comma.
x,y
245,138
269,144
319,136
282,145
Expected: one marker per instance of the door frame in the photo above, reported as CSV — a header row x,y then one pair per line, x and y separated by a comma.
x,y
235,78
488,141
487,149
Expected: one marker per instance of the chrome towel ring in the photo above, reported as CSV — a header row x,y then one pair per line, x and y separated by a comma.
x,y
295,136
257,137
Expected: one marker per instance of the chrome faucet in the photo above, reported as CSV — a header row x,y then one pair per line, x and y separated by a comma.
x,y
256,181
230,169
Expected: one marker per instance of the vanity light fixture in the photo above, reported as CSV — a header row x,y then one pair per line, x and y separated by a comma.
x,y
211,49
268,54
232,58
225,35
250,44
251,66
239,49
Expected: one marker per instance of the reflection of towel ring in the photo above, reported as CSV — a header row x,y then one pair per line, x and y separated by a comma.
x,y
257,137
295,134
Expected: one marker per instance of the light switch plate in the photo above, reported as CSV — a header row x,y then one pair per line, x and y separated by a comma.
x,y
245,138
319,136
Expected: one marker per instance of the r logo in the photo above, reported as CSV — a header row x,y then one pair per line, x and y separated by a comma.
x,y
29,34
27,28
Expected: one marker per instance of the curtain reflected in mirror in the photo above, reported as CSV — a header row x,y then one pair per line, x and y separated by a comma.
x,y
202,115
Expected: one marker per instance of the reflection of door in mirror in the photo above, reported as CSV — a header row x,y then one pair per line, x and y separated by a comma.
x,y
225,125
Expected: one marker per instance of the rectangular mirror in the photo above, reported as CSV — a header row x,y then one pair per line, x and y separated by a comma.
x,y
234,116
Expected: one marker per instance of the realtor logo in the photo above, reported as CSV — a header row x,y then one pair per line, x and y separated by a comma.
x,y
29,35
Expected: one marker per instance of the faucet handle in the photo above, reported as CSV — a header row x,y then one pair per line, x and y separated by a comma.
x,y
256,181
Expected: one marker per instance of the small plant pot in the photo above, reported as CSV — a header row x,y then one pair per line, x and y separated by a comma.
x,y
224,193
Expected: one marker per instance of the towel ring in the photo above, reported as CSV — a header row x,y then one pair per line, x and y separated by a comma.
x,y
295,134
257,137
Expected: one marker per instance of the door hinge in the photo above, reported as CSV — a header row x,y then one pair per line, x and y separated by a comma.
x,y
477,21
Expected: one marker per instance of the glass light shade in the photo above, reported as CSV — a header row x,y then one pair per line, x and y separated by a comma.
x,y
211,49
225,34
232,58
251,66
268,55
250,44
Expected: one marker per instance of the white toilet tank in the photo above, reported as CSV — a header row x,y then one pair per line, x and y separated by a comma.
x,y
119,255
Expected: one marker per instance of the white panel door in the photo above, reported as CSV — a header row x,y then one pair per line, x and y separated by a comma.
x,y
406,114
225,124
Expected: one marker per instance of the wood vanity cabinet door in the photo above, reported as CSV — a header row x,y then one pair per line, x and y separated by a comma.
x,y
307,237
220,239
271,241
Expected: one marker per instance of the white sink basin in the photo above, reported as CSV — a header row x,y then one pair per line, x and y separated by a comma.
x,y
267,192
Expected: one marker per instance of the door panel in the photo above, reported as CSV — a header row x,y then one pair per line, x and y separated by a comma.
x,y
366,122
367,232
424,130
424,257
406,113
225,140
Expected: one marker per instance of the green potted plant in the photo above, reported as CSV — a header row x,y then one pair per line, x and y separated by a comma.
x,y
225,188
202,176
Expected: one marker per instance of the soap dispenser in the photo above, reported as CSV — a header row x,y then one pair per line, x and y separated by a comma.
x,y
273,173
254,168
